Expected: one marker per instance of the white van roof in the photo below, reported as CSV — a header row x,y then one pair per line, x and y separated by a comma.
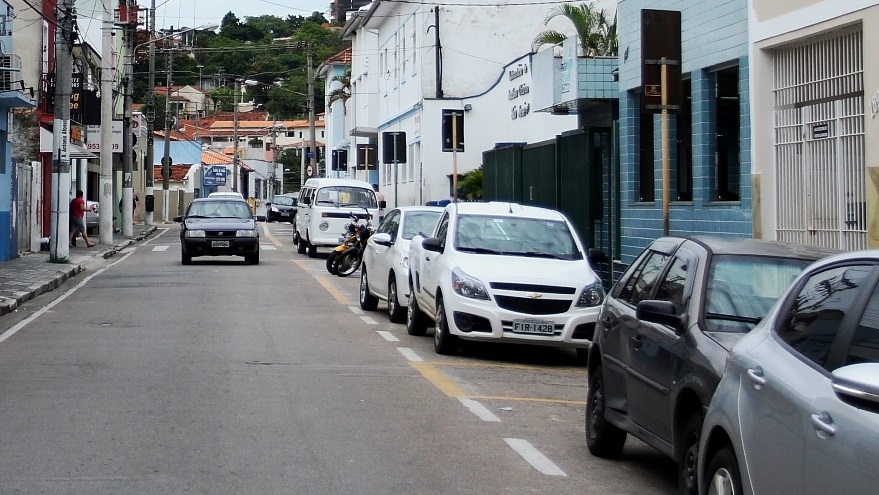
x,y
315,183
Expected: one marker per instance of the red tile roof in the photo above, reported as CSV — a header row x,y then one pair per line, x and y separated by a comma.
x,y
178,172
343,57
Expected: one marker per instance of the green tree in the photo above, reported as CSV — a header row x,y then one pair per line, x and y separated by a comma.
x,y
596,31
470,185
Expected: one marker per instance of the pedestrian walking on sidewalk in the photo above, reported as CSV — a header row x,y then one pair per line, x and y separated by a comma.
x,y
77,219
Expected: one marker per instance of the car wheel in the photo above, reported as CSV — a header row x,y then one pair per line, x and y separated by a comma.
x,y
723,476
602,438
395,312
312,250
253,259
301,246
368,302
185,259
416,320
443,341
688,454
295,237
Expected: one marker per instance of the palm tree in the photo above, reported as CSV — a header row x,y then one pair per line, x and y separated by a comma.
x,y
597,34
470,185
343,93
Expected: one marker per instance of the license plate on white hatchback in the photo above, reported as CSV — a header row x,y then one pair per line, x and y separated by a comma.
x,y
542,327
220,244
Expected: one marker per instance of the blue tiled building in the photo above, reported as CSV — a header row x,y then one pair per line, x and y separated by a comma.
x,y
709,139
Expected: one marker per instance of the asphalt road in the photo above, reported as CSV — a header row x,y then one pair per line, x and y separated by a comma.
x,y
147,376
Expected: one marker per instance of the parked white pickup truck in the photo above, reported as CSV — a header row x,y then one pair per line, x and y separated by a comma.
x,y
503,272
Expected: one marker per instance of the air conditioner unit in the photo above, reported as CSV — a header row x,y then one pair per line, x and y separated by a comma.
x,y
10,73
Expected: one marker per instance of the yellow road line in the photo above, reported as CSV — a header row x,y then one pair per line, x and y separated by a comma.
x,y
529,399
507,366
438,379
342,298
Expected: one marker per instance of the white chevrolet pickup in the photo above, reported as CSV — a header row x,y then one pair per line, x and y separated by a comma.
x,y
503,272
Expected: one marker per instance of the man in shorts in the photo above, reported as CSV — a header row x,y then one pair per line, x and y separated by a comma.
x,y
77,219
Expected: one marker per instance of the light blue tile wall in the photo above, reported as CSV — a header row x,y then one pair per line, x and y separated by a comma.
x,y
714,33
595,78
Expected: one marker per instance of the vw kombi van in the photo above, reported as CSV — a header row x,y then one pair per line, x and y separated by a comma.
x,y
325,207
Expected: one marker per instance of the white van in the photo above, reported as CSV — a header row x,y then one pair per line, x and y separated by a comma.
x,y
325,207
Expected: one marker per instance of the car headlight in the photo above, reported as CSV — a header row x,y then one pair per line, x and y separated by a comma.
x,y
324,226
467,286
245,233
592,295
195,233
274,209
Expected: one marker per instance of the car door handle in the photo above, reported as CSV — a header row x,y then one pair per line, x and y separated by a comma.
x,y
427,258
823,422
608,320
756,376
637,342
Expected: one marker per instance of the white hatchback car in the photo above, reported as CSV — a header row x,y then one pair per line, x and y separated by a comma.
x,y
386,258
504,272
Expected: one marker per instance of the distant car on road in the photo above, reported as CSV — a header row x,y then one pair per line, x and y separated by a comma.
x,y
226,194
386,258
797,409
281,208
664,334
218,226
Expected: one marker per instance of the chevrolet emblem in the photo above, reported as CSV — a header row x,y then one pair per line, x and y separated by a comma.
x,y
533,295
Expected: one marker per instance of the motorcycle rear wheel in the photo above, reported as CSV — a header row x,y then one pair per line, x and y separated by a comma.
x,y
348,262
332,262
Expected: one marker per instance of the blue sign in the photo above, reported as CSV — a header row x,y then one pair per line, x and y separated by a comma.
x,y
215,176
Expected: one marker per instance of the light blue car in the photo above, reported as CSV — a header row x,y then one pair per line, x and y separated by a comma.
x,y
797,408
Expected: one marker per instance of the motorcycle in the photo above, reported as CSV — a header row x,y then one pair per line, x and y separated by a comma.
x,y
349,260
348,240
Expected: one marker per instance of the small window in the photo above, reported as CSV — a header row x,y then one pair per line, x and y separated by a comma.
x,y
390,224
820,306
673,286
865,341
443,228
646,177
641,286
728,167
684,170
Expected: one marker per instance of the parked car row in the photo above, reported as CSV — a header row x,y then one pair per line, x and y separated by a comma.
x,y
753,364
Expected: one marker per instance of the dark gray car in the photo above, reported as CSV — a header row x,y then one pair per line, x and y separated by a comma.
x,y
664,333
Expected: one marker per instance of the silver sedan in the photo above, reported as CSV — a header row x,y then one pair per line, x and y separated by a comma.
x,y
797,408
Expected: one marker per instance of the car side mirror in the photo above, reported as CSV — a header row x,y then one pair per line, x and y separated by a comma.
x,y
178,218
661,312
268,203
382,204
382,239
858,385
434,244
260,218
306,201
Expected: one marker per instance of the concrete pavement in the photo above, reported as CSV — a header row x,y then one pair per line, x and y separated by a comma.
x,y
31,274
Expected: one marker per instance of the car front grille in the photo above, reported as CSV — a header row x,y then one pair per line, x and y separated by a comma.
x,y
220,233
533,306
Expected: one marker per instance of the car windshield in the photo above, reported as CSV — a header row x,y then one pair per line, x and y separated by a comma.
x,y
532,237
219,209
284,200
741,290
349,196
419,223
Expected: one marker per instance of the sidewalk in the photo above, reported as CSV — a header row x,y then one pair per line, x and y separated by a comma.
x,y
31,274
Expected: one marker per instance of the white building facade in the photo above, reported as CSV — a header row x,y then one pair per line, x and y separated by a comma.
x,y
411,63
815,98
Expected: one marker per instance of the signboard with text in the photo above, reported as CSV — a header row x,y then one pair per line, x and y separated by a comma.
x,y
93,133
215,176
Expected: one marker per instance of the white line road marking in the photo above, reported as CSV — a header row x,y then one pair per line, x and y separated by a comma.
x,y
368,320
355,310
409,354
267,247
479,410
160,248
388,336
534,457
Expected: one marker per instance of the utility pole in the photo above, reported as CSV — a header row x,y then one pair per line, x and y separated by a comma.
x,y
274,172
235,134
127,210
108,76
149,198
59,247
313,144
166,160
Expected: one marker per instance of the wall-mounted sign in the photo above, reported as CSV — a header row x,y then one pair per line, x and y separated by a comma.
x,y
820,130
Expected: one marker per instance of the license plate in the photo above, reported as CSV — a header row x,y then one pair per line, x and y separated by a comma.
x,y
533,326
285,214
220,244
